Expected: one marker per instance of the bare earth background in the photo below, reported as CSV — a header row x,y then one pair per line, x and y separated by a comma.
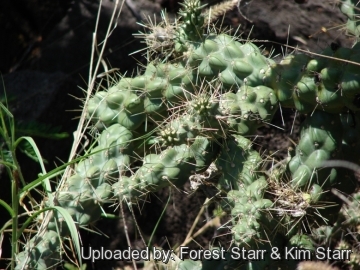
x,y
44,61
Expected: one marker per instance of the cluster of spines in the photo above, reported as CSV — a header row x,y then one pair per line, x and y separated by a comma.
x,y
321,140
244,186
350,219
83,194
329,82
351,9
298,82
41,252
220,59
190,30
172,167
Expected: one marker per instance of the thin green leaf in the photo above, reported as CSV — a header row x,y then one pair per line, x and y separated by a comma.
x,y
109,216
7,162
46,181
30,219
6,110
38,181
50,174
158,222
7,207
72,228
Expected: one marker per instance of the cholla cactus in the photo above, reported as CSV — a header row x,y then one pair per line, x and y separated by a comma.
x,y
192,109
351,9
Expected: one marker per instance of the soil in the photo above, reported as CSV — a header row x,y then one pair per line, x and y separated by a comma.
x,y
45,53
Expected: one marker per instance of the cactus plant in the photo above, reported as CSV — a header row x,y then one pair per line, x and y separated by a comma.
x,y
351,9
192,109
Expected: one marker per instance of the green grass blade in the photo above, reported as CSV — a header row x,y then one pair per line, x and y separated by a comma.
x,y
7,164
7,207
73,230
109,216
69,221
157,223
30,219
2,106
42,177
31,141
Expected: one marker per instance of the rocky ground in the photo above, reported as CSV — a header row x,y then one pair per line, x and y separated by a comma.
x,y
45,53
